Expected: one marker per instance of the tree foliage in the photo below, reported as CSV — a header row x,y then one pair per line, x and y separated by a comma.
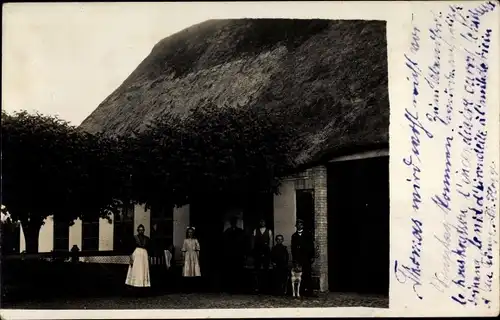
x,y
214,152
52,168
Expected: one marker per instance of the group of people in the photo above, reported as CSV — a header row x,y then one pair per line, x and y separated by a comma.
x,y
270,256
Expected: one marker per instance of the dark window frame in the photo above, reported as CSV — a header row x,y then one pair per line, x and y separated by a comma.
x,y
93,239
123,228
163,218
61,235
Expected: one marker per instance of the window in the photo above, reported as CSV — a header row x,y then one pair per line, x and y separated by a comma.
x,y
305,208
162,226
61,236
90,235
123,228
10,238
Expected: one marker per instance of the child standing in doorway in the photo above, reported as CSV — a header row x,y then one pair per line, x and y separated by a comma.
x,y
191,258
279,259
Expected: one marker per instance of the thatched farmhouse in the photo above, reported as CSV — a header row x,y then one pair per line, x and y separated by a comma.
x,y
331,74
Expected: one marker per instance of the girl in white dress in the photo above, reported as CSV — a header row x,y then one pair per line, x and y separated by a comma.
x,y
191,257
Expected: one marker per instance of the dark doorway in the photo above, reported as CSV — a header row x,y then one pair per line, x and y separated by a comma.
x,y
207,217
305,208
358,226
260,206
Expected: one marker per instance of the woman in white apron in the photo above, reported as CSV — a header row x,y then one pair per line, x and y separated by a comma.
x,y
138,271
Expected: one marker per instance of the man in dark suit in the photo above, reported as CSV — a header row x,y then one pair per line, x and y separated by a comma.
x,y
303,253
234,256
262,244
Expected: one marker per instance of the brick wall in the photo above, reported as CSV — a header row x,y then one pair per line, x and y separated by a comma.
x,y
314,178
321,225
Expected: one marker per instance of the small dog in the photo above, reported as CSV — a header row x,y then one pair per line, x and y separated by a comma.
x,y
296,278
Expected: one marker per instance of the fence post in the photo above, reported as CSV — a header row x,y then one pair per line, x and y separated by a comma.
x,y
74,253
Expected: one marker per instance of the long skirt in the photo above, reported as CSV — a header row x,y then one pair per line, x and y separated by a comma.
x,y
191,265
138,272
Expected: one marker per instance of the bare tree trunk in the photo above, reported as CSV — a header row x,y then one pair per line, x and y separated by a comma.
x,y
31,235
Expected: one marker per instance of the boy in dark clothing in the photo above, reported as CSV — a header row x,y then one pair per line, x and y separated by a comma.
x,y
279,259
303,253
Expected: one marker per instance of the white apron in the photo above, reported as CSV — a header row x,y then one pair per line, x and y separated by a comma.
x,y
138,272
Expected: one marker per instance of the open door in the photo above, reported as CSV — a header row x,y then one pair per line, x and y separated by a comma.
x,y
358,226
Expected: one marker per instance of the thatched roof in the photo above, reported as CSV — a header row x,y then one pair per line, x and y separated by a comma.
x,y
332,74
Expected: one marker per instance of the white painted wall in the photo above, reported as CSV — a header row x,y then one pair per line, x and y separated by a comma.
x,y
285,211
284,223
45,238
181,222
106,230
363,155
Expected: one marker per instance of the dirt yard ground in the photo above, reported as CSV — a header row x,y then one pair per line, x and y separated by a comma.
x,y
206,301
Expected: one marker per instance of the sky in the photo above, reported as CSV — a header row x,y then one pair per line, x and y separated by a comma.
x,y
64,59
